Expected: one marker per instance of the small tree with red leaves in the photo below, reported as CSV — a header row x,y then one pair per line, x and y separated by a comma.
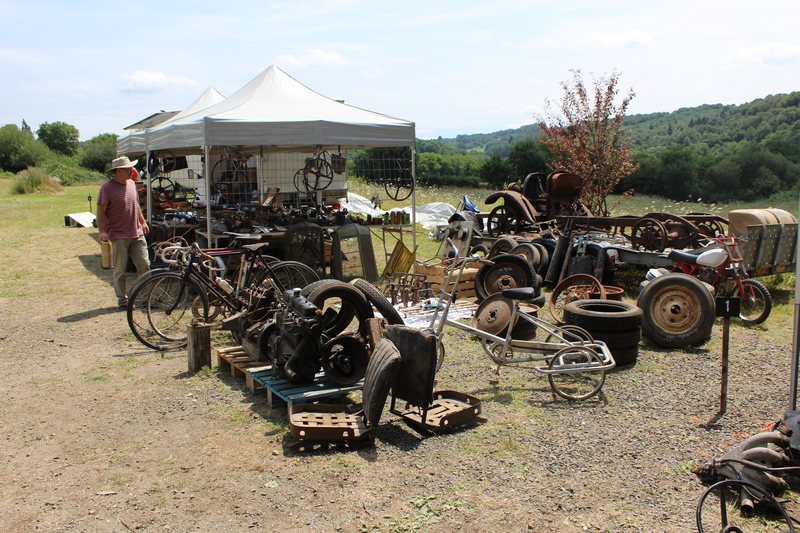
x,y
585,137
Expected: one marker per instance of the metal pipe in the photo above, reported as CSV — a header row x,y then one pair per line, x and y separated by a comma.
x,y
207,172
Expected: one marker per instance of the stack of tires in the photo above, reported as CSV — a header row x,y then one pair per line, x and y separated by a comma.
x,y
516,264
618,324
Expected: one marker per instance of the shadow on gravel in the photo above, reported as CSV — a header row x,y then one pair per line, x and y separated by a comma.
x,y
85,315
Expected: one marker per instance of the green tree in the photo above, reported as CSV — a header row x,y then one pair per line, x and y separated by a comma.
x,y
19,150
60,137
495,171
585,137
98,151
526,157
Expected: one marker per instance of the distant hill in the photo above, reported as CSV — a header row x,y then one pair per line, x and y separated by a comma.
x,y
774,120
713,151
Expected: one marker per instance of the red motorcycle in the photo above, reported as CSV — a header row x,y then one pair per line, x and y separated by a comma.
x,y
721,267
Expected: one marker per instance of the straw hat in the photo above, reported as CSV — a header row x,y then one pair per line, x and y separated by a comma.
x,y
122,162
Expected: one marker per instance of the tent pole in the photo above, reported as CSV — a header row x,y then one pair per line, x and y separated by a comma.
x,y
795,332
149,201
207,172
414,202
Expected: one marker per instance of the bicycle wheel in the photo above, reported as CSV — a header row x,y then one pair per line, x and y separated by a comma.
x,y
301,180
288,275
574,374
756,302
161,309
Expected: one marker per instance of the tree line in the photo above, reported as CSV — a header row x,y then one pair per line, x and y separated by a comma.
x,y
711,152
56,148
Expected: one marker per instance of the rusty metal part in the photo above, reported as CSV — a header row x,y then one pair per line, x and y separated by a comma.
x,y
646,231
505,275
494,315
344,359
570,289
649,234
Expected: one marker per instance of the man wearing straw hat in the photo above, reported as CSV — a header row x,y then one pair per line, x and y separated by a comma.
x,y
120,220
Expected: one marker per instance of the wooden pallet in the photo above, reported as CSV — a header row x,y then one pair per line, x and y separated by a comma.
x,y
241,364
280,390
436,275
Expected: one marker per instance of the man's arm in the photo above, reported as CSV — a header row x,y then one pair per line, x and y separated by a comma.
x,y
102,221
142,221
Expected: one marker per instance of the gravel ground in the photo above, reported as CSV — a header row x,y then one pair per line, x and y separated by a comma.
x,y
102,435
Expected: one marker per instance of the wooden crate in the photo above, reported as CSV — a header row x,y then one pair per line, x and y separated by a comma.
x,y
437,274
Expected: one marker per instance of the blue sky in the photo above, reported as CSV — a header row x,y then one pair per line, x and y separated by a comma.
x,y
450,66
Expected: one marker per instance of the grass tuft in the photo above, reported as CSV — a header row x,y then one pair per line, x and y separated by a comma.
x,y
35,180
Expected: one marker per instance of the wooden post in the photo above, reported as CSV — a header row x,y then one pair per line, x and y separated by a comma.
x,y
723,393
199,347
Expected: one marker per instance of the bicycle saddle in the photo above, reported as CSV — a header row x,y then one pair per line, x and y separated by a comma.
x,y
255,247
520,293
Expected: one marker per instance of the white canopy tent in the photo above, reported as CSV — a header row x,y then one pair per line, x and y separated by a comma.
x,y
275,112
136,143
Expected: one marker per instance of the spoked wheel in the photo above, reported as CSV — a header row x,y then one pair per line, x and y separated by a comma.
x,y
756,302
501,221
344,308
400,186
317,175
574,373
716,508
161,308
572,288
649,234
288,274
162,187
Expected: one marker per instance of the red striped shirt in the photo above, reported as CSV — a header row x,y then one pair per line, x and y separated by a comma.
x,y
121,207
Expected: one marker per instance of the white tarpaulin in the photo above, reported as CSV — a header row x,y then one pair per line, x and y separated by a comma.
x,y
428,215
434,214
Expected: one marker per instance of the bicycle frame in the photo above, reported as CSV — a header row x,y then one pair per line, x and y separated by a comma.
x,y
498,348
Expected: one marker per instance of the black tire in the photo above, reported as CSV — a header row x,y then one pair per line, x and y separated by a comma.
x,y
624,356
353,306
678,311
756,302
158,318
378,301
529,252
503,245
508,271
544,258
603,315
314,285
381,369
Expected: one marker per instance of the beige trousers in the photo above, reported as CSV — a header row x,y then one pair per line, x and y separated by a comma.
x,y
136,249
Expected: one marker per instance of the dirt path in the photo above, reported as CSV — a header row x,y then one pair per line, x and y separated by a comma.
x,y
100,434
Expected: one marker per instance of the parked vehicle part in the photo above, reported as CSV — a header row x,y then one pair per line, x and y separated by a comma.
x,y
506,271
378,301
572,288
502,245
678,311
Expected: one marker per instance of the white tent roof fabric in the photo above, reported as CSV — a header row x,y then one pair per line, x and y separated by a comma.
x,y
137,142
277,112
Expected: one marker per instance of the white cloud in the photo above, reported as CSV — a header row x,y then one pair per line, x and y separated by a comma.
x,y
767,54
626,39
311,57
141,81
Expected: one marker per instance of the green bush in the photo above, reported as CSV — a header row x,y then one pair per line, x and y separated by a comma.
x,y
67,171
19,150
35,180
97,152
